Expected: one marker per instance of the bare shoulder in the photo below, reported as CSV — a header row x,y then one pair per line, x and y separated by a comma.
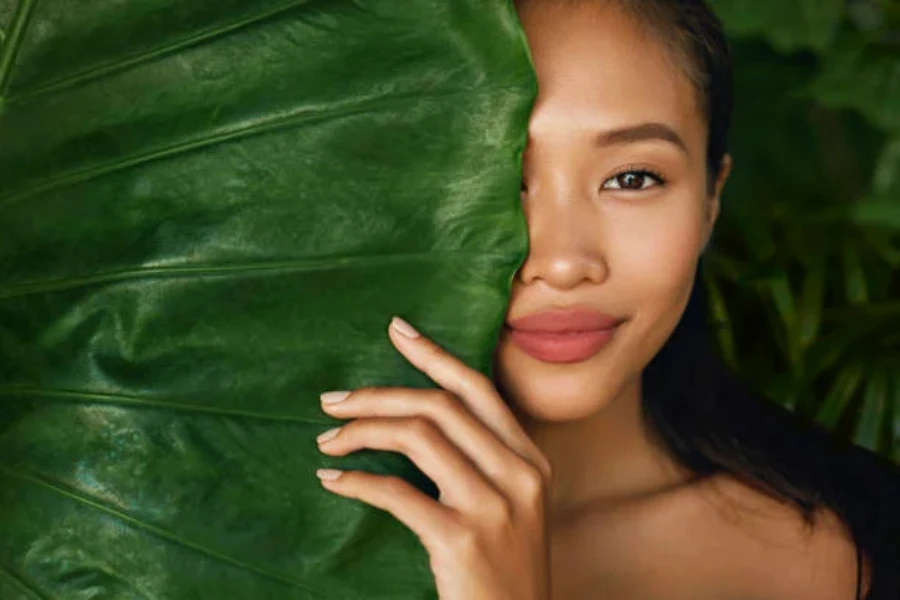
x,y
769,551
716,539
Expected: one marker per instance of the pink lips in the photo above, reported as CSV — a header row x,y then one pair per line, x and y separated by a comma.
x,y
563,336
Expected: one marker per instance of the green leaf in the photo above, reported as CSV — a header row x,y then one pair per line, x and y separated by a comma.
x,y
845,385
885,246
209,211
886,179
18,20
824,355
722,323
855,285
868,15
811,303
877,213
783,299
815,180
863,75
881,208
788,25
7,8
874,411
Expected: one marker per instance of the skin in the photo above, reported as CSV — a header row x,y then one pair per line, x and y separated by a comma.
x,y
621,509
487,535
550,487
626,253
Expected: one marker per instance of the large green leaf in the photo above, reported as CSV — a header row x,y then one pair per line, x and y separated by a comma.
x,y
209,211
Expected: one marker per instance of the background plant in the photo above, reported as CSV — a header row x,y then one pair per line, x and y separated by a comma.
x,y
802,275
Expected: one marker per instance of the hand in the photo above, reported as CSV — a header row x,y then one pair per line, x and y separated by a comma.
x,y
486,535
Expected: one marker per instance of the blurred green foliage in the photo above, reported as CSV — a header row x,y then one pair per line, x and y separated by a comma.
x,y
803,272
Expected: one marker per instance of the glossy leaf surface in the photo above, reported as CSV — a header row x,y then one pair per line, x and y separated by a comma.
x,y
209,211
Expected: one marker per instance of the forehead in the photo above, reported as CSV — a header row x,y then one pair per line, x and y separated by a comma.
x,y
597,68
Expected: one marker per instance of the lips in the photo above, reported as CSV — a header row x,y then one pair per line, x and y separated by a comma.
x,y
563,336
564,321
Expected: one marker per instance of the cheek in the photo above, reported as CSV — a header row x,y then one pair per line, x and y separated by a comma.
x,y
652,253
652,260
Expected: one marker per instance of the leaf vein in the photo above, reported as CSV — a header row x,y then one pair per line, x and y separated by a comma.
x,y
229,133
89,397
331,262
81,497
204,35
23,585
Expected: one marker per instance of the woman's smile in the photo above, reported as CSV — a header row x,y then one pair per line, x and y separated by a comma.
x,y
563,335
562,347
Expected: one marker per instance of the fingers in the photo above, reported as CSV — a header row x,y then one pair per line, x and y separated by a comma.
x,y
486,533
475,390
462,486
489,454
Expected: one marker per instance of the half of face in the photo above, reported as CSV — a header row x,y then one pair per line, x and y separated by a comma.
x,y
615,196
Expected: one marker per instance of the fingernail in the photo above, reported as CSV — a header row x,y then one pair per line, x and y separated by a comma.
x,y
333,397
324,437
404,328
328,474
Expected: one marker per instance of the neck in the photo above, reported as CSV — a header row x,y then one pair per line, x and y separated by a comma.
x,y
604,459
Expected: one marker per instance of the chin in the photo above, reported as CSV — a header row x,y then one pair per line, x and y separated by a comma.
x,y
559,409
554,393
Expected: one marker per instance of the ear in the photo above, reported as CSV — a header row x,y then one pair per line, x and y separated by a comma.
x,y
714,203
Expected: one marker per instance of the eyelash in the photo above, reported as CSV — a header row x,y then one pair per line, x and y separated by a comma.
x,y
654,175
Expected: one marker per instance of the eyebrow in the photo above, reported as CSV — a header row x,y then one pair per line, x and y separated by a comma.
x,y
640,133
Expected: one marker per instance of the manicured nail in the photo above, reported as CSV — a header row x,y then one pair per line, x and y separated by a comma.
x,y
328,474
324,437
404,328
333,397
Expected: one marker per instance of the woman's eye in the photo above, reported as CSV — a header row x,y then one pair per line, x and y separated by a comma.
x,y
632,180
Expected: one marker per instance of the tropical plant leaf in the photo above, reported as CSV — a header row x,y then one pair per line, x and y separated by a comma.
x,y
722,323
855,284
863,75
886,179
874,412
809,314
845,385
807,251
209,211
785,306
787,24
883,213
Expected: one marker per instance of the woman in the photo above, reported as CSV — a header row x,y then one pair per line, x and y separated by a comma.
x,y
629,463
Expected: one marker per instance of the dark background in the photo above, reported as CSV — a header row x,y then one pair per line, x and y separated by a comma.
x,y
802,273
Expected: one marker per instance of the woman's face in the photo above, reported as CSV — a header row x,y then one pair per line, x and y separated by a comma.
x,y
612,100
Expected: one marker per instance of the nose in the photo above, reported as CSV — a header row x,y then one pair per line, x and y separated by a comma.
x,y
566,241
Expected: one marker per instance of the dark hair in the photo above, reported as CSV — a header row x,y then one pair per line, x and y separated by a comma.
x,y
712,422
702,413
